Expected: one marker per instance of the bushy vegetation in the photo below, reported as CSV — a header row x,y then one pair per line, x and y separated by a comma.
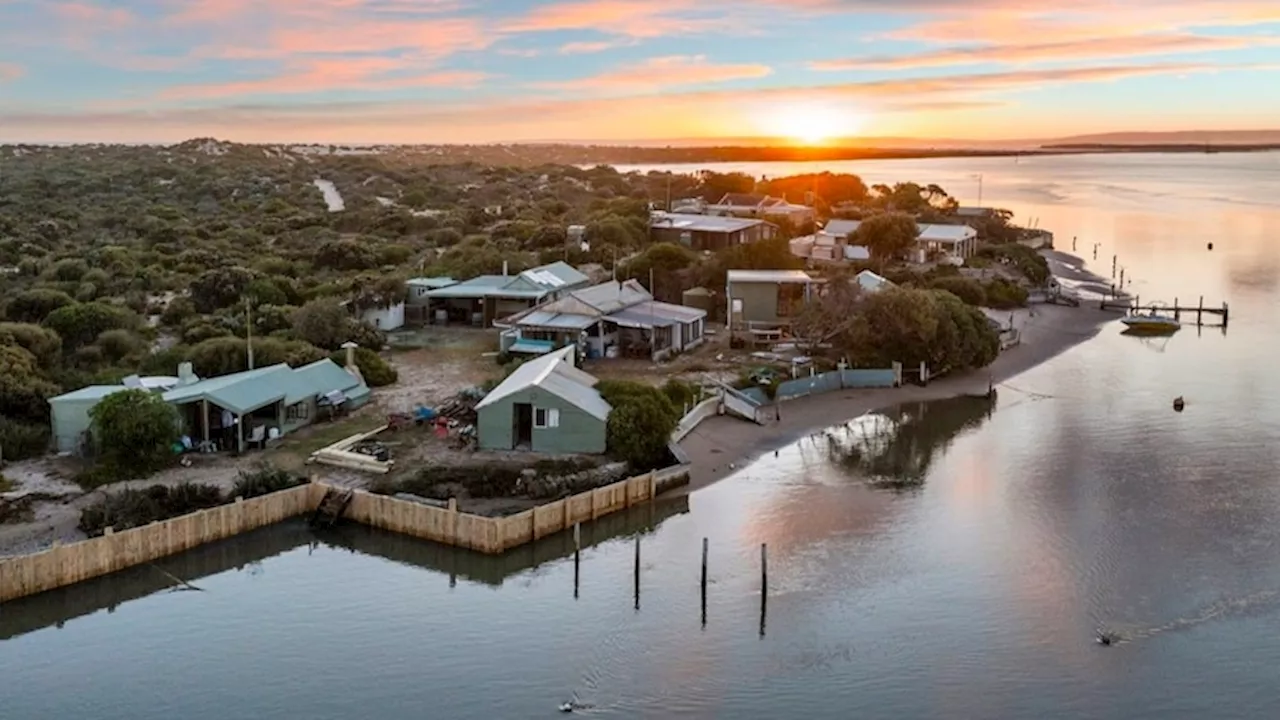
x,y
133,432
900,324
1025,260
640,424
134,508
264,478
376,371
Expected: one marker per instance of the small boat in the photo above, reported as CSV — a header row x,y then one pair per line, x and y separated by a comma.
x,y
1151,323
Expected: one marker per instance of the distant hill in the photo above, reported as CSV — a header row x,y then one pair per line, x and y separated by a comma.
x,y
1188,137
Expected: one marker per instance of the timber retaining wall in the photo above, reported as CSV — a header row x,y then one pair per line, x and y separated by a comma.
x,y
63,565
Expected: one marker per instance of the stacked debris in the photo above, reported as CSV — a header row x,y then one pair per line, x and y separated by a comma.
x,y
462,407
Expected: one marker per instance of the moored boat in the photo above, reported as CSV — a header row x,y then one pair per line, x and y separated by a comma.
x,y
1151,322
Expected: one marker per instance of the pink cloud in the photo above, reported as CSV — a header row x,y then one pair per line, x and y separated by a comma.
x,y
1090,48
10,71
94,17
633,18
311,76
659,72
586,47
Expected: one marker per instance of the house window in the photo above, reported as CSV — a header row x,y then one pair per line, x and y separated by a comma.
x,y
546,418
296,412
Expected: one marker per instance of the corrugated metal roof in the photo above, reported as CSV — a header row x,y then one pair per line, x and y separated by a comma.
x,y
947,233
93,392
769,276
531,347
555,373
533,283
241,392
318,378
609,297
872,282
656,314
431,282
701,223
634,318
841,228
542,318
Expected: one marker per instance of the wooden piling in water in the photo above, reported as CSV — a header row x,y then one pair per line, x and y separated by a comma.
x,y
637,576
705,544
577,556
764,585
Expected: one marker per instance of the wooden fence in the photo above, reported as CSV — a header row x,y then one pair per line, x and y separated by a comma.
x,y
64,565
496,535
67,564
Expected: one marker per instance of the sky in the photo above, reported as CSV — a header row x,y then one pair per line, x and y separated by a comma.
x,y
450,71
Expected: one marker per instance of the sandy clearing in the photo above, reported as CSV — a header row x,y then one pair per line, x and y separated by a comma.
x,y
332,197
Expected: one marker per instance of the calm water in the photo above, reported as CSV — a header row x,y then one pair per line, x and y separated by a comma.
x,y
1080,499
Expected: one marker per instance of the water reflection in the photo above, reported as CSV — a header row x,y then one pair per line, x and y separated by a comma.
x,y
247,551
896,448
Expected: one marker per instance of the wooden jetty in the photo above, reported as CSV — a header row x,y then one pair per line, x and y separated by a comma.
x,y
1134,306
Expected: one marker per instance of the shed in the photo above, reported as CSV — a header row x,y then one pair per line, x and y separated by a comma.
x,y
70,415
700,298
547,405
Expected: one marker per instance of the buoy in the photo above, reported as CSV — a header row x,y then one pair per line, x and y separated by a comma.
x,y
1104,639
1210,246
1179,403
566,707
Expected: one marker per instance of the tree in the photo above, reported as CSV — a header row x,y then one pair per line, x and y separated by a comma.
x,y
640,424
886,236
346,254
376,371
44,344
323,323
81,324
24,393
133,431
219,288
831,317
33,306
967,289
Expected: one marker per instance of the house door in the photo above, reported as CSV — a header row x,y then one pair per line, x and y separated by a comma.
x,y
523,431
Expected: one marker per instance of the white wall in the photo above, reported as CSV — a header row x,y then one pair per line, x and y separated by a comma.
x,y
389,318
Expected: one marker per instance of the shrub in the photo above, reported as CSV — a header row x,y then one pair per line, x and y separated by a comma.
x,y
20,441
264,478
967,289
135,508
133,432
375,370
641,423
1004,295
680,393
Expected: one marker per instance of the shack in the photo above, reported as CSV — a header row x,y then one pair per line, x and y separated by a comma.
x,y
547,405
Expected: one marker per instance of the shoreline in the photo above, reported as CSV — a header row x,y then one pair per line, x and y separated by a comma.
x,y
722,445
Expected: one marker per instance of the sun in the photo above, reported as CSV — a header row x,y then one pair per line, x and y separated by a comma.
x,y
813,123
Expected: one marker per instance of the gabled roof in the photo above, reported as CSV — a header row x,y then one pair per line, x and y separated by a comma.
x,y
947,233
593,302
702,223
244,392
769,276
742,199
556,374
92,392
431,283
872,282
533,283
840,228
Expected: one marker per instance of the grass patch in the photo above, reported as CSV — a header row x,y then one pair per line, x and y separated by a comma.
x,y
264,478
5,484
298,446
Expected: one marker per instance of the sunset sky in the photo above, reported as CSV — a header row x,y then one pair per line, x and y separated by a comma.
x,y
360,71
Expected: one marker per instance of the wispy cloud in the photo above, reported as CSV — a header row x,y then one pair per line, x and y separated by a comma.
x,y
369,74
10,71
659,72
1069,50
631,18
588,47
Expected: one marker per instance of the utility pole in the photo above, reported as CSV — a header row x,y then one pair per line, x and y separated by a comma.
x,y
248,330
